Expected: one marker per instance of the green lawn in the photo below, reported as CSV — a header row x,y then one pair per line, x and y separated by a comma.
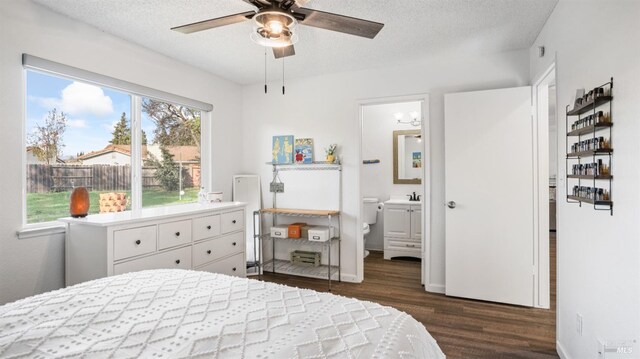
x,y
44,207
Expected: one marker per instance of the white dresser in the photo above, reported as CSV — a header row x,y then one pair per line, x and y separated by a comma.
x,y
402,229
207,237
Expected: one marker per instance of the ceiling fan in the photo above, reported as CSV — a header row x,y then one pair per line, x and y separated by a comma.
x,y
276,19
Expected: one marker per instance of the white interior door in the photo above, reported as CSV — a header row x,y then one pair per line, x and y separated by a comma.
x,y
489,175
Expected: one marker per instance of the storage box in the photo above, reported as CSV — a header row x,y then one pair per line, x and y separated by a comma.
x,y
305,231
295,229
320,234
310,259
279,231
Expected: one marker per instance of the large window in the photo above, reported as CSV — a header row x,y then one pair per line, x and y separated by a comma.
x,y
79,134
171,159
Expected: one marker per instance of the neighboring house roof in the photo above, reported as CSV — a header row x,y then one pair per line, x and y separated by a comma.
x,y
180,153
124,149
184,153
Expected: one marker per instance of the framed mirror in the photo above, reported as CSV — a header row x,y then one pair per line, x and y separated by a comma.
x,y
407,157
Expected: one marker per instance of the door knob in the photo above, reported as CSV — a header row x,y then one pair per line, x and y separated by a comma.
x,y
451,204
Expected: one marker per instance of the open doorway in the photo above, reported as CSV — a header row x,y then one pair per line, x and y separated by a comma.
x,y
547,120
394,157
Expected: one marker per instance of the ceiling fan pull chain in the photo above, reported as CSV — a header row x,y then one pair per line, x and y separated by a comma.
x,y
283,75
265,70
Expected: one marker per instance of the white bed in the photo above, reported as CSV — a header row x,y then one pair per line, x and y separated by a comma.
x,y
183,314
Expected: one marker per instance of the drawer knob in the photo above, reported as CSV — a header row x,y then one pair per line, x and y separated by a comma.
x,y
208,227
177,261
234,243
177,234
209,251
234,269
411,245
138,242
234,221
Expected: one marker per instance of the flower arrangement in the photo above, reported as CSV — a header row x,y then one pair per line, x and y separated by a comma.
x,y
331,152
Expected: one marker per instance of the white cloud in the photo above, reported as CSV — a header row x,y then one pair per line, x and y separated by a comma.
x,y
46,102
77,123
79,98
110,127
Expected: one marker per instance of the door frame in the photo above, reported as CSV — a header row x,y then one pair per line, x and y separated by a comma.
x,y
540,115
426,179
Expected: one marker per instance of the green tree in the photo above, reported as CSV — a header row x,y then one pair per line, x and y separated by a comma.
x,y
167,171
176,125
46,139
122,133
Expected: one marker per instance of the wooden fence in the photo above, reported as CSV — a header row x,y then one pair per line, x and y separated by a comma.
x,y
42,178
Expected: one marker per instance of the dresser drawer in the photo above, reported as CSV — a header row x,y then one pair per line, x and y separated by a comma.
x,y
404,244
174,234
175,259
217,248
234,265
133,242
232,221
206,227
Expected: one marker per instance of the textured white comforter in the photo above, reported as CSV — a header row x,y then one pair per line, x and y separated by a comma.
x,y
182,314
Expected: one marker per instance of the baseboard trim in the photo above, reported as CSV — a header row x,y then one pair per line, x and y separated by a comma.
x,y
561,352
350,278
436,288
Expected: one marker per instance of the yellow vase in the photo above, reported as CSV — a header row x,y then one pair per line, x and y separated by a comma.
x,y
330,158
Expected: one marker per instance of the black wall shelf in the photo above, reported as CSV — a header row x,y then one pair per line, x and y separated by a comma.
x,y
599,185
590,129
587,177
590,153
588,107
591,201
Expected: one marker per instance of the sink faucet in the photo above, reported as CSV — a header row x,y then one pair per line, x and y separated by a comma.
x,y
414,197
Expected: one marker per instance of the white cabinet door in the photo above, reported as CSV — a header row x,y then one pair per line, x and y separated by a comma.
x,y
416,222
489,176
397,221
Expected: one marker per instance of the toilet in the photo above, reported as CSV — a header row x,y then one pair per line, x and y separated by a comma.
x,y
370,211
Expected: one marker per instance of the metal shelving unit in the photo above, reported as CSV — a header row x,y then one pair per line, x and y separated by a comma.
x,y
589,132
331,271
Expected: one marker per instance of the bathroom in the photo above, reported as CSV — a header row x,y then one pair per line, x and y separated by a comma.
x,y
394,161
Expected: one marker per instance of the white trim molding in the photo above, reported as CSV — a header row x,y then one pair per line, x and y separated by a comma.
x,y
39,64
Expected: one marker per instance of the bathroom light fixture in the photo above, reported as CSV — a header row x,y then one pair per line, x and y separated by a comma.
x,y
274,29
413,119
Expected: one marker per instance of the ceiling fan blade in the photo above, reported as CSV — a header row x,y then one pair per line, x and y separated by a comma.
x,y
217,22
293,4
280,52
339,23
257,3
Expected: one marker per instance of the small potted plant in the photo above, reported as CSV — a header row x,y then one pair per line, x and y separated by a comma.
x,y
331,152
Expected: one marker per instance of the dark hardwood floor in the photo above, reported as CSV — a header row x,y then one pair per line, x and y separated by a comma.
x,y
463,328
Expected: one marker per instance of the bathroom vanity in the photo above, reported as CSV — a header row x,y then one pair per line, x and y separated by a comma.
x,y
402,228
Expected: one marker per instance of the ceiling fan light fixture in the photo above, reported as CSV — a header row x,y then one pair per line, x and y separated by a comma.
x,y
282,41
273,29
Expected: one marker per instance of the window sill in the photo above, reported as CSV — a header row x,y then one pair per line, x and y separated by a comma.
x,y
46,229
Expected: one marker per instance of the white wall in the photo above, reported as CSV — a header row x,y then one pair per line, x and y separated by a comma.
x,y
34,265
377,143
326,108
598,254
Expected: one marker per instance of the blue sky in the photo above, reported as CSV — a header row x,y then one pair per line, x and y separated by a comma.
x,y
91,111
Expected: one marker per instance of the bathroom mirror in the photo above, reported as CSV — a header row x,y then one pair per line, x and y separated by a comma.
x,y
407,157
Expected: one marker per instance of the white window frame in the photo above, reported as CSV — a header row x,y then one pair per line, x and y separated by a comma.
x,y
137,93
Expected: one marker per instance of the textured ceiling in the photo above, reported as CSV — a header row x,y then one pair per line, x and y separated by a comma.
x,y
413,29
